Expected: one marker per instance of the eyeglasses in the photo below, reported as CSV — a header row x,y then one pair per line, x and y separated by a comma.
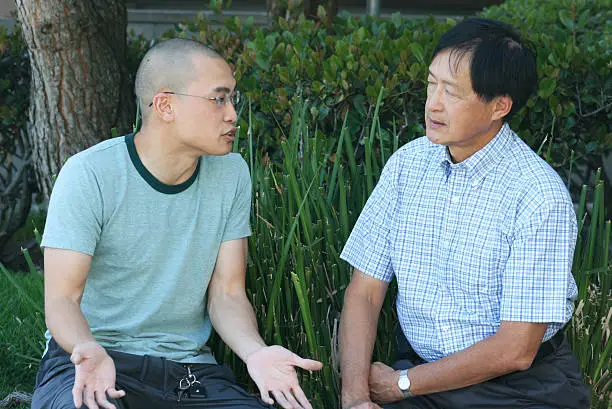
x,y
220,101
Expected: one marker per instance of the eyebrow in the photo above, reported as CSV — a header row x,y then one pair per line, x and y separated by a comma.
x,y
451,83
222,89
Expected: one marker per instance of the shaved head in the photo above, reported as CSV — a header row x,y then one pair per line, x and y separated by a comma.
x,y
169,65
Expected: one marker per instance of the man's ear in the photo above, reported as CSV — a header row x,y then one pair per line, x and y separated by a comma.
x,y
162,107
502,105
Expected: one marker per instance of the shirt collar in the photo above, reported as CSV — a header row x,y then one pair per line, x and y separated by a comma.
x,y
482,161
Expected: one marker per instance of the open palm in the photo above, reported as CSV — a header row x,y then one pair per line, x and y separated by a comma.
x,y
273,371
94,377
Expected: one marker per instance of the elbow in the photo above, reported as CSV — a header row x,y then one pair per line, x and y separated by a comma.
x,y
525,362
520,360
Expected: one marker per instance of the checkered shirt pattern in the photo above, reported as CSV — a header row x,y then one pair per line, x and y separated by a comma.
x,y
471,244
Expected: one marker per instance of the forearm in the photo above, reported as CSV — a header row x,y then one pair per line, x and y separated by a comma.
x,y
485,360
358,325
234,320
66,323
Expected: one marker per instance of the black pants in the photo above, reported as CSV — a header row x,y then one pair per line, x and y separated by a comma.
x,y
149,383
552,382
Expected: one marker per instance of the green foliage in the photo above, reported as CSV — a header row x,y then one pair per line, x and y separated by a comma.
x,y
590,329
14,87
22,328
339,68
573,41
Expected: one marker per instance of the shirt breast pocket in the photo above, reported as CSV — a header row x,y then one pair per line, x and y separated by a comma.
x,y
473,275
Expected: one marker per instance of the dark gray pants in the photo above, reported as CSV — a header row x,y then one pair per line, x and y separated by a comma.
x,y
149,383
553,382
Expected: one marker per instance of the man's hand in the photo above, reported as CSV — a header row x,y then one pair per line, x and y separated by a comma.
x,y
273,370
383,384
94,377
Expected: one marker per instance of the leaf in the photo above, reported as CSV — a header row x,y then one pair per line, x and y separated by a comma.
x,y
419,53
263,62
359,104
396,19
584,18
547,87
566,19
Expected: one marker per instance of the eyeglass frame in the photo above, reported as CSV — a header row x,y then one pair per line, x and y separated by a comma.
x,y
220,101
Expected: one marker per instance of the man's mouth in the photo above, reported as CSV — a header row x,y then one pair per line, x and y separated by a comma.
x,y
435,124
231,133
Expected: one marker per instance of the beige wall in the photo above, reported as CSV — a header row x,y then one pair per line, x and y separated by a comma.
x,y
7,9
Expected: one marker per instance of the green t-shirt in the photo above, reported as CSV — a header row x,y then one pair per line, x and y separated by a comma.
x,y
154,246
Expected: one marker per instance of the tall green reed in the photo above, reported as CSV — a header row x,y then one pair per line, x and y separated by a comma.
x,y
303,210
590,329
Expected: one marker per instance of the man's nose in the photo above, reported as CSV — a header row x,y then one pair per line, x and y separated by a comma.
x,y
230,113
434,101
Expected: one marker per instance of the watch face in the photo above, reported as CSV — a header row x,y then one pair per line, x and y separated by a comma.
x,y
403,383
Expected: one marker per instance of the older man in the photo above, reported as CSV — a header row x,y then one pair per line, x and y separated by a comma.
x,y
479,232
145,252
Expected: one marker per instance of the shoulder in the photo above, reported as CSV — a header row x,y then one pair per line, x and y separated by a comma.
x,y
231,165
98,158
412,159
230,173
534,187
417,149
536,180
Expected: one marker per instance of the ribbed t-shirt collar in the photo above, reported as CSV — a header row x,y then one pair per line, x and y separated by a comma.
x,y
152,180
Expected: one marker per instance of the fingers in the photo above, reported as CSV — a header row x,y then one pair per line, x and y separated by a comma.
x,y
115,394
90,399
301,397
265,396
103,401
77,392
308,364
281,399
294,403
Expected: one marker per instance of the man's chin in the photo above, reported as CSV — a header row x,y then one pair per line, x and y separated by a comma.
x,y
435,137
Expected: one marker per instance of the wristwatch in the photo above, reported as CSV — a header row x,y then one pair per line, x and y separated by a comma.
x,y
403,383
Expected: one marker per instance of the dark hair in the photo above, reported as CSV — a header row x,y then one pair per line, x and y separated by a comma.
x,y
501,62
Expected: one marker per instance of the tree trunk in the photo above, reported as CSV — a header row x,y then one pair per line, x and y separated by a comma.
x,y
81,86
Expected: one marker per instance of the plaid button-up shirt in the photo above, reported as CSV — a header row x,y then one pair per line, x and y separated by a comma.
x,y
486,240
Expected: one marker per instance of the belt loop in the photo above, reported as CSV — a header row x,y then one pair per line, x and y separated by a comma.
x,y
145,368
165,366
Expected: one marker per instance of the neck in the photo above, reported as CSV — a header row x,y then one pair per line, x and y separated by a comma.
x,y
163,157
459,153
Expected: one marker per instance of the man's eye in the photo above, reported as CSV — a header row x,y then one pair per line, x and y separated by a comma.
x,y
220,100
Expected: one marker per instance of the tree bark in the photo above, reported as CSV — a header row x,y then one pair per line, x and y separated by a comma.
x,y
81,86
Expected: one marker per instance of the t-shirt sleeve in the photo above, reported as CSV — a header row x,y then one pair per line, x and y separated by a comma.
x,y
237,225
368,248
537,275
74,217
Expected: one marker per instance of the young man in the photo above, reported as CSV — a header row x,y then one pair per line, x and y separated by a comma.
x,y
145,252
479,232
